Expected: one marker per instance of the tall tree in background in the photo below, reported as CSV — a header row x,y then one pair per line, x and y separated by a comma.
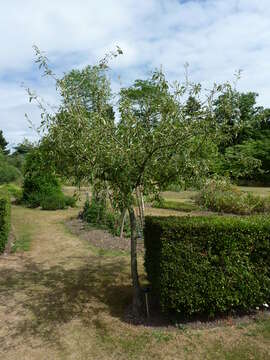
x,y
3,144
244,151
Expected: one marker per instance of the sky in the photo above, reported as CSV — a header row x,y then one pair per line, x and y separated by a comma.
x,y
216,37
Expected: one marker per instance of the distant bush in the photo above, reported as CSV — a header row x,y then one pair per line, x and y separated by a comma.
x,y
8,173
175,205
70,200
13,190
221,196
208,265
41,186
4,219
53,202
57,201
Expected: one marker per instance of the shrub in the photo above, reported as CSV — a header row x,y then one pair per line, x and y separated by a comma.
x,y
208,265
4,219
41,186
221,196
53,202
14,191
8,173
96,213
70,200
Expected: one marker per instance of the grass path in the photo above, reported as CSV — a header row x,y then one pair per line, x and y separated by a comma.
x,y
62,300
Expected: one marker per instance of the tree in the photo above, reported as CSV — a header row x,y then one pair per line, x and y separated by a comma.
x,y
3,144
23,148
244,149
153,144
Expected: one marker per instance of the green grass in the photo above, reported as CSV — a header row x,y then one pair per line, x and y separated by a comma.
x,y
22,243
176,205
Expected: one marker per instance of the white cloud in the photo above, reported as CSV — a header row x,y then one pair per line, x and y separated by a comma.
x,y
216,37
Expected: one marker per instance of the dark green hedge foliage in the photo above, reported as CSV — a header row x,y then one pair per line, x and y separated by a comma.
x,y
4,220
208,265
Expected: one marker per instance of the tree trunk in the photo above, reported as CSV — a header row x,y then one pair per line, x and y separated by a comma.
x,y
123,217
140,204
137,300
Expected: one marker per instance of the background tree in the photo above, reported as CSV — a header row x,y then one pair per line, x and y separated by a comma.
x,y
244,150
3,144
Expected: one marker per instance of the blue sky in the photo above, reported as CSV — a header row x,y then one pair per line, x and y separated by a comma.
x,y
216,38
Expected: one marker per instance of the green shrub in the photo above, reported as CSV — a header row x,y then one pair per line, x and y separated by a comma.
x,y
53,202
70,200
208,265
96,213
4,219
8,173
14,191
221,196
175,205
41,186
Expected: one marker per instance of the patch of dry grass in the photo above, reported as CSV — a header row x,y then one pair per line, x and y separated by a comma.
x,y
63,301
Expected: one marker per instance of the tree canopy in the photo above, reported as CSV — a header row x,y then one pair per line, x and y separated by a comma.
x,y
166,132
3,144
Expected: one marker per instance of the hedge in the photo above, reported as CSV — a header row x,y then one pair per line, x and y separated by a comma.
x,y
4,219
208,265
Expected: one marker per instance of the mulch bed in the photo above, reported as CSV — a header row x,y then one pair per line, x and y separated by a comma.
x,y
101,238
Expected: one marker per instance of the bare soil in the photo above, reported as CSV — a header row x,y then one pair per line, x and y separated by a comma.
x,y
101,238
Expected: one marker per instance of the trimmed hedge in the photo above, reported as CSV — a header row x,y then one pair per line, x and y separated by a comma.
x,y
208,265
4,220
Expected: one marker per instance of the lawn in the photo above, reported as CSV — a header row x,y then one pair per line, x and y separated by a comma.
x,y
63,299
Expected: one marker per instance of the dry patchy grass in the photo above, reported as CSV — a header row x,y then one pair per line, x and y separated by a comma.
x,y
62,300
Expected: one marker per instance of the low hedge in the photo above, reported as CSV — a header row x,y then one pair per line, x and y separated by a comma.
x,y
4,219
208,265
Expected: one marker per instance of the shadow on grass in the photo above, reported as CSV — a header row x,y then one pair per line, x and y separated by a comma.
x,y
52,297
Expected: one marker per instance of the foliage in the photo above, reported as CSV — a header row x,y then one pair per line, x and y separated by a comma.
x,y
157,140
208,265
23,148
3,144
53,202
174,205
4,219
97,213
70,200
8,173
41,186
221,196
13,190
17,158
244,150
39,180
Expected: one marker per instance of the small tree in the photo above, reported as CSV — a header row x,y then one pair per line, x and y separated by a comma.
x,y
154,143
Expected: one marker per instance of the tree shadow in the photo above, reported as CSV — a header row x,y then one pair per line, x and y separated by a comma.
x,y
54,296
